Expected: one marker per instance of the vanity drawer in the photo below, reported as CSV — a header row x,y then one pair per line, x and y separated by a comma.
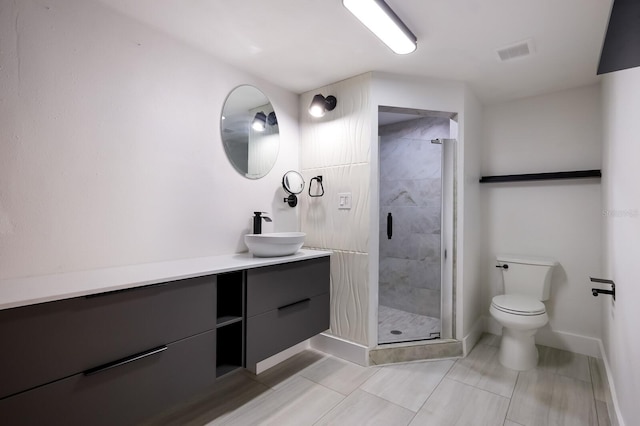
x,y
279,329
121,395
274,286
49,341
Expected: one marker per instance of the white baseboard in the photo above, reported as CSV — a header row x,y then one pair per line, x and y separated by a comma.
x,y
278,358
350,351
576,343
615,410
470,340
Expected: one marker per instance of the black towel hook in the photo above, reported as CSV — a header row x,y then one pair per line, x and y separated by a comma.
x,y
319,180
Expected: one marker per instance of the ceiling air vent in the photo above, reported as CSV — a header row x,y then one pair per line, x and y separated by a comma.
x,y
516,51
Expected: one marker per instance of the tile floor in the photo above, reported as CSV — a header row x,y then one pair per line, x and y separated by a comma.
x,y
312,388
412,326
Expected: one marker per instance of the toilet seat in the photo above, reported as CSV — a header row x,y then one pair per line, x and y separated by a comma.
x,y
518,304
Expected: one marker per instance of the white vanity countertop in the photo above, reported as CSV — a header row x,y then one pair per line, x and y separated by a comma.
x,y
16,292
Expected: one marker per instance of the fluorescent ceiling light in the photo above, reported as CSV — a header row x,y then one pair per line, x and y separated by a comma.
x,y
384,23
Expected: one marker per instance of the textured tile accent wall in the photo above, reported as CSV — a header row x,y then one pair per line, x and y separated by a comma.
x,y
337,147
343,135
349,295
327,226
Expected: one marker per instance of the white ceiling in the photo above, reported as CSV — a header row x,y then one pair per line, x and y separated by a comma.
x,y
304,44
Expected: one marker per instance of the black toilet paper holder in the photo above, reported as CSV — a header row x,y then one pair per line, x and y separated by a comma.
x,y
596,291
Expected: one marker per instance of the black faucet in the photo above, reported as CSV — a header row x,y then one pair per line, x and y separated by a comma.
x,y
257,221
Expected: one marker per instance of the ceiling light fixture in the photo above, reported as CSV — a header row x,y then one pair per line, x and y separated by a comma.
x,y
384,23
320,105
259,122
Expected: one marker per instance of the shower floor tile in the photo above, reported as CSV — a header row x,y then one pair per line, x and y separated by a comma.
x,y
412,326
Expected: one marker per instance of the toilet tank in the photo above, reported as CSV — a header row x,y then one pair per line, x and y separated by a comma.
x,y
527,275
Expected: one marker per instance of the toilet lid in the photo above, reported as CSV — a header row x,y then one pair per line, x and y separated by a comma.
x,y
518,304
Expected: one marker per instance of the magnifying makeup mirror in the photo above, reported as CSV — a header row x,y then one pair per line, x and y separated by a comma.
x,y
293,183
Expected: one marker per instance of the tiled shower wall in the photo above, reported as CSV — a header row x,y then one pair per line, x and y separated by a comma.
x,y
337,147
411,190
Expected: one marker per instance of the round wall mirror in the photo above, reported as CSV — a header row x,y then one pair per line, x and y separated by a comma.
x,y
250,133
293,182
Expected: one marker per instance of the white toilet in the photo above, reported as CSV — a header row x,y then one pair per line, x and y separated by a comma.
x,y
520,310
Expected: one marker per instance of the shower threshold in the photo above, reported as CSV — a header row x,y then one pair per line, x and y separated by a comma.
x,y
415,351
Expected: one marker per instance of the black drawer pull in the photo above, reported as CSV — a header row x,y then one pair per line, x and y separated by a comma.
x,y
294,303
124,361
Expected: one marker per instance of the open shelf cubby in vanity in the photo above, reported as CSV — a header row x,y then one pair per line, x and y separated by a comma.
x,y
230,322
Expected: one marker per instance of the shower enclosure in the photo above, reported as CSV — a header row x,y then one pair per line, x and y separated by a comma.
x,y
415,199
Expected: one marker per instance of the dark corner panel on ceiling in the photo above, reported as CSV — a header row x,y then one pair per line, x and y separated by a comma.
x,y
621,48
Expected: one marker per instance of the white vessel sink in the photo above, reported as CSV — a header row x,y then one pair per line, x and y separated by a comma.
x,y
274,244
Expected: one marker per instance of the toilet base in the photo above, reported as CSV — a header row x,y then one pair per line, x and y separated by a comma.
x,y
518,349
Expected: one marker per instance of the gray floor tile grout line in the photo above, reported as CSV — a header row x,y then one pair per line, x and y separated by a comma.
x,y
331,409
593,390
506,415
444,376
415,413
481,389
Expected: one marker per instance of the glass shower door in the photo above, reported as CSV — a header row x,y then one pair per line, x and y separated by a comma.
x,y
410,230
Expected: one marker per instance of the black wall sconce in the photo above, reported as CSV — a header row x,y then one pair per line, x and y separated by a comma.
x,y
261,120
272,120
320,105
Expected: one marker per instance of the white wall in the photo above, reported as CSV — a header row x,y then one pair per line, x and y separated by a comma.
x,y
471,290
110,149
621,219
559,219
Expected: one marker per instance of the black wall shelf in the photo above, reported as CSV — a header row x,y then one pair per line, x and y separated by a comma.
x,y
542,176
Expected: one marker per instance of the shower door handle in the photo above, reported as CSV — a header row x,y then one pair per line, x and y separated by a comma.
x,y
389,226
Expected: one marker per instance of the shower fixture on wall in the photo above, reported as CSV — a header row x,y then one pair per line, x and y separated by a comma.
x,y
320,105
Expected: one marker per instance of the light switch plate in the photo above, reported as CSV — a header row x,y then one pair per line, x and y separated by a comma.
x,y
344,201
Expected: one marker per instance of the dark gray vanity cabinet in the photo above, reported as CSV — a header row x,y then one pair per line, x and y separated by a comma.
x,y
112,358
286,304
120,357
